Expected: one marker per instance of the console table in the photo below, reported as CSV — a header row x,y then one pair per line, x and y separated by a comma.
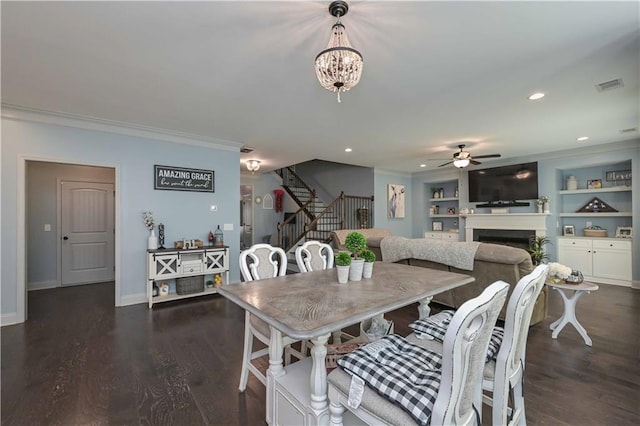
x,y
168,264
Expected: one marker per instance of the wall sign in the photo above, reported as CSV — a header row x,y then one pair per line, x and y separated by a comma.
x,y
182,179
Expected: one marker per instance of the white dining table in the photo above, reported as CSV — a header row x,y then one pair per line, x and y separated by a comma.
x,y
309,306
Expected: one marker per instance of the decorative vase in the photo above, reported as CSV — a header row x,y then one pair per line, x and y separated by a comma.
x,y
572,183
355,271
367,270
343,274
539,208
152,242
546,208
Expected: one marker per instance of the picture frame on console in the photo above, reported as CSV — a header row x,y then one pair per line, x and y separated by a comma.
x,y
594,184
569,230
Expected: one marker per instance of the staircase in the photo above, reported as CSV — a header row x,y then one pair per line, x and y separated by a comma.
x,y
314,219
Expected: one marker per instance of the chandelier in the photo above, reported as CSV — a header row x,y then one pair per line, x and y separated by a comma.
x,y
253,165
339,66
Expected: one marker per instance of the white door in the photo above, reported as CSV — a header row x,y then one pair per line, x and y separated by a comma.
x,y
87,226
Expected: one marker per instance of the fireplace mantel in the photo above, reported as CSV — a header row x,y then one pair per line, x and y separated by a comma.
x,y
524,221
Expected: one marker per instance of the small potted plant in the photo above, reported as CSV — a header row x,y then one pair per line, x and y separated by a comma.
x,y
536,249
356,243
343,260
369,257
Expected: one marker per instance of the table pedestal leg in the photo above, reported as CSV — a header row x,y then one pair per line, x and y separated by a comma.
x,y
569,316
319,410
275,370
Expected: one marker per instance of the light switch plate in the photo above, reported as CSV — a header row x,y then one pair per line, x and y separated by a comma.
x,y
228,226
47,227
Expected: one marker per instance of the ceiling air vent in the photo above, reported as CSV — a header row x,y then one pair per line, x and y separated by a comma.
x,y
629,130
246,149
609,85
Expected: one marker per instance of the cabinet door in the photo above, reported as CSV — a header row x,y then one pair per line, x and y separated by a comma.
x,y
612,260
163,266
216,260
576,254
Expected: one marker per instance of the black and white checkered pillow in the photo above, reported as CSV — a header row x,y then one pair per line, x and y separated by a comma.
x,y
435,327
402,372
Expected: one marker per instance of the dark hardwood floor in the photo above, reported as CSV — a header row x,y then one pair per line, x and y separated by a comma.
x,y
78,360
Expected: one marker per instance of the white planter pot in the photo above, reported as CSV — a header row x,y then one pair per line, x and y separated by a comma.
x,y
546,207
343,274
367,270
355,272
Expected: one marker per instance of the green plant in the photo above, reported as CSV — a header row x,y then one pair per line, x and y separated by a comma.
x,y
343,259
536,249
356,243
369,256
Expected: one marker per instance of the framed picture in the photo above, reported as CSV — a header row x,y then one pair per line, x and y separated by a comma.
x,y
594,184
436,225
624,232
395,201
569,230
451,210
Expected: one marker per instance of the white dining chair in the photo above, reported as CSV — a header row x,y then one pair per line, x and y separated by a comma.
x,y
313,256
261,261
504,377
458,394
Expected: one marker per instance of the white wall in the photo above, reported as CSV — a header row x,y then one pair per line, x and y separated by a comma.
x,y
185,214
43,246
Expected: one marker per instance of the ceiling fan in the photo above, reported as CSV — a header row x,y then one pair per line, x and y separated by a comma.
x,y
463,158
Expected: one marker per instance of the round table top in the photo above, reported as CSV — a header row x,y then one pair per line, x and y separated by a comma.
x,y
583,286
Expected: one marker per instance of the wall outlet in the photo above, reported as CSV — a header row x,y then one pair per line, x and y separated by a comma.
x,y
47,227
589,224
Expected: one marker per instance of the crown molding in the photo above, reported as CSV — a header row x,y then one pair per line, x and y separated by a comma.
x,y
36,115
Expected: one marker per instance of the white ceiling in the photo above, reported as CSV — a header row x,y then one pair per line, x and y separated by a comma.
x,y
435,74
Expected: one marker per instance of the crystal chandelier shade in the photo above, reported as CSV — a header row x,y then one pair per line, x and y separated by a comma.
x,y
339,66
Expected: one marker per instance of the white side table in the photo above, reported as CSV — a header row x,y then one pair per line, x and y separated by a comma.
x,y
569,315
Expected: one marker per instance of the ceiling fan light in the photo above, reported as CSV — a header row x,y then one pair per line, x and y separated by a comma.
x,y
461,163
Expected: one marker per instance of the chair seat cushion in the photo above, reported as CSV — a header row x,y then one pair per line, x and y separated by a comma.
x,y
404,373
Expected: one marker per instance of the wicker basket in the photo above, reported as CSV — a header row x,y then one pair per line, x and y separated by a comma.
x,y
190,285
595,232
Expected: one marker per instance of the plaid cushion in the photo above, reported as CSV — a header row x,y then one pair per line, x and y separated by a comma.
x,y
435,327
400,371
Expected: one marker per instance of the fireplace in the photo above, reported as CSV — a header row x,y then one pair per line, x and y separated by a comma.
x,y
520,226
509,237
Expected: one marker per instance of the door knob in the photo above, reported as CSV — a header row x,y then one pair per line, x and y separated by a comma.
x,y
65,238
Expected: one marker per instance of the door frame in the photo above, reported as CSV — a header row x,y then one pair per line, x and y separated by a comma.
x,y
21,227
59,180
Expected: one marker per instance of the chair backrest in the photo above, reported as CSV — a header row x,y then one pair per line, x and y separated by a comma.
x,y
517,320
463,356
314,256
263,261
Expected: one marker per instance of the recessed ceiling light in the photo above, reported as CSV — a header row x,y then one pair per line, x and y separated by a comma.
x,y
536,96
348,150
583,138
423,165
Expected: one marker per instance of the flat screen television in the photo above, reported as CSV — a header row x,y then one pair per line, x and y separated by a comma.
x,y
504,185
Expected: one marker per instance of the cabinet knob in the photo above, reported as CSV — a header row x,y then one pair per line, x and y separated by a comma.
x,y
610,245
65,238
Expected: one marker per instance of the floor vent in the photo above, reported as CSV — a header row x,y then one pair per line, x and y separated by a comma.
x,y
246,149
629,130
609,85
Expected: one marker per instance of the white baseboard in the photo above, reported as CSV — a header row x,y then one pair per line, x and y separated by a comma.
x,y
42,285
9,319
133,299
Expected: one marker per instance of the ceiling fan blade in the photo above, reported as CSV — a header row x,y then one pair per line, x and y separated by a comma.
x,y
474,162
448,162
487,156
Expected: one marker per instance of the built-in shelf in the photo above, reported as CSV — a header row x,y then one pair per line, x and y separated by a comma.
x,y
451,216
600,214
594,191
444,199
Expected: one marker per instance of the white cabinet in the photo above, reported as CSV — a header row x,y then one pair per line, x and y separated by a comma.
x,y
170,264
603,260
435,235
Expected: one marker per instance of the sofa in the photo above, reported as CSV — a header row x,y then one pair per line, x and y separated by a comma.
x,y
486,262
373,236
